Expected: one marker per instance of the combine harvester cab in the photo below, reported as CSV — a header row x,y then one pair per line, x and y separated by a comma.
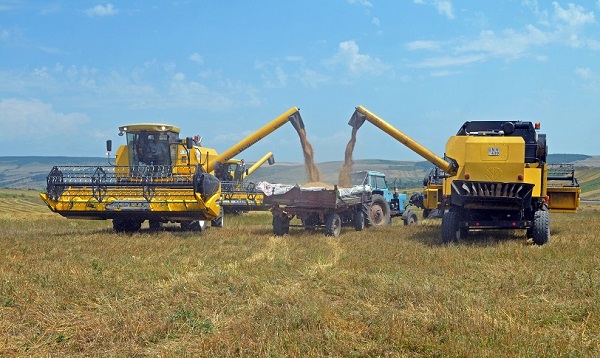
x,y
496,176
157,176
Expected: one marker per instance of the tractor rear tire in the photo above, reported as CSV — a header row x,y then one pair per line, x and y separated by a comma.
x,y
380,211
333,225
541,227
411,218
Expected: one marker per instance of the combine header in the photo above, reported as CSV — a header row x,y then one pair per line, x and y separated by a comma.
x,y
157,176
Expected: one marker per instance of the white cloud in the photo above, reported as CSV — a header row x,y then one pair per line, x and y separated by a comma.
x,y
584,72
34,119
443,7
102,10
448,61
349,56
574,15
312,78
375,21
423,45
197,58
361,2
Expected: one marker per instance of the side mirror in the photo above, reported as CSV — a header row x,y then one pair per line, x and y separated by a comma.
x,y
189,142
271,160
109,145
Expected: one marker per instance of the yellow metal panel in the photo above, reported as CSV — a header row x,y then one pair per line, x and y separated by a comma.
x,y
564,199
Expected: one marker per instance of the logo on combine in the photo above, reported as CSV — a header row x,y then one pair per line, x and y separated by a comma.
x,y
493,174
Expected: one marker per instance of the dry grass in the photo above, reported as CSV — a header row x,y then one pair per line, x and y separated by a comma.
x,y
75,288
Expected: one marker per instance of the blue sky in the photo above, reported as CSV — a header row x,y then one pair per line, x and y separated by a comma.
x,y
71,72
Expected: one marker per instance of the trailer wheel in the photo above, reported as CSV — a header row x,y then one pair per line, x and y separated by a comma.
x,y
450,229
358,220
380,211
541,227
426,213
281,225
333,225
410,218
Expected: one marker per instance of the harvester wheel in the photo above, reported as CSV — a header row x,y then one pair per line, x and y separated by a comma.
x,y
410,217
426,213
450,229
126,225
333,225
358,220
218,222
196,225
380,211
281,225
154,225
541,227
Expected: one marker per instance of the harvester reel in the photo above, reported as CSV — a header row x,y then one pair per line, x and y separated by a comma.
x,y
54,182
99,190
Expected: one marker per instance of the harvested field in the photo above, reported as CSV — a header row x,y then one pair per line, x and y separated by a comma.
x,y
75,288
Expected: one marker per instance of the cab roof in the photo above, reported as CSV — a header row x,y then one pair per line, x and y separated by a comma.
x,y
150,127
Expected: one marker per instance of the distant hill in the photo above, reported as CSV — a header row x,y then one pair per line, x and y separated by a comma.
x,y
30,172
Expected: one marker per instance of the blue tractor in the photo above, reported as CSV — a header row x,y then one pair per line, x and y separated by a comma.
x,y
385,203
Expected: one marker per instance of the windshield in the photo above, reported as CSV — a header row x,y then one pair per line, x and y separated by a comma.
x,y
359,178
150,148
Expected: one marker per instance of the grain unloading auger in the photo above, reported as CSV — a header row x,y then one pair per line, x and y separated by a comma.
x,y
156,177
496,176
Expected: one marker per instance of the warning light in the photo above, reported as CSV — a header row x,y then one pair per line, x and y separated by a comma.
x,y
537,125
520,177
467,176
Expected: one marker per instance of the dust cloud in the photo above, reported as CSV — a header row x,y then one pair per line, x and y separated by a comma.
x,y
344,175
312,171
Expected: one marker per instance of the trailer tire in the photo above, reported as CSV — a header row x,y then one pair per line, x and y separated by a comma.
x,y
358,220
281,226
450,229
541,227
426,213
380,211
410,218
333,225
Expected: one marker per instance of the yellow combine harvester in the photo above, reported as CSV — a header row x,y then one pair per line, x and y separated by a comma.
x,y
157,176
237,193
496,176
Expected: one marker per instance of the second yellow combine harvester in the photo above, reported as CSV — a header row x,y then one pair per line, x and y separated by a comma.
x,y
495,176
157,176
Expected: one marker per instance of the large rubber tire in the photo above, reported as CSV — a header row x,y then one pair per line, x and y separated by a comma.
x,y
426,213
281,225
411,218
333,225
154,225
540,232
126,225
196,225
358,220
380,211
218,221
450,229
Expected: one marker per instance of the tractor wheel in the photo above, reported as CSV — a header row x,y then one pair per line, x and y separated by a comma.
x,y
540,232
410,218
333,225
380,211
450,227
281,225
358,220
